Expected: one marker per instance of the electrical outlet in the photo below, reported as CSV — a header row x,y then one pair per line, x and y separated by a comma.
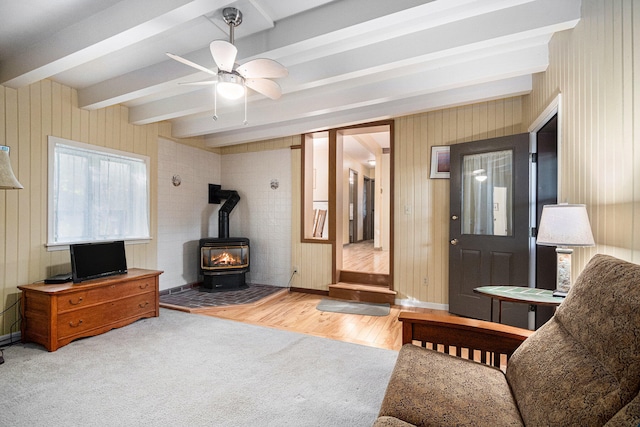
x,y
425,282
295,270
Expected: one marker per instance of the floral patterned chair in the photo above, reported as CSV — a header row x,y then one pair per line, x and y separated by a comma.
x,y
581,368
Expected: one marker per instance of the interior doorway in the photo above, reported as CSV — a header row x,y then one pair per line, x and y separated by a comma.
x,y
546,194
347,195
366,162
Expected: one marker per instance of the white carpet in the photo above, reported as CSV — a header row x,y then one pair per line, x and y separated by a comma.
x,y
184,369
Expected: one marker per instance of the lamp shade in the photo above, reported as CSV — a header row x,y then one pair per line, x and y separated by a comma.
x,y
8,180
564,225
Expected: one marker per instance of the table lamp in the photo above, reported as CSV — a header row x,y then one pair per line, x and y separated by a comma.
x,y
8,180
564,226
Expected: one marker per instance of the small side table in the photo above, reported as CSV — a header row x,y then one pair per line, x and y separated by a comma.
x,y
518,294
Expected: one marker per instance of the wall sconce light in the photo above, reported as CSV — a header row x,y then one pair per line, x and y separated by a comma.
x,y
8,180
564,226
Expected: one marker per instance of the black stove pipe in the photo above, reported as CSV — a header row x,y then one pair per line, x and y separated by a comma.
x,y
215,195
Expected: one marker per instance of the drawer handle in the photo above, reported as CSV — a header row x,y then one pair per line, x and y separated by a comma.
x,y
76,325
143,304
75,303
146,285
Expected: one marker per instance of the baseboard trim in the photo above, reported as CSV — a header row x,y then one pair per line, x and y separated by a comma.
x,y
9,339
420,304
310,291
179,288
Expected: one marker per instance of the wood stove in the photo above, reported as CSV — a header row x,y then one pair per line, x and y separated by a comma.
x,y
224,262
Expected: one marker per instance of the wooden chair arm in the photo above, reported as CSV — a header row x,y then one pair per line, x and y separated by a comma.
x,y
461,332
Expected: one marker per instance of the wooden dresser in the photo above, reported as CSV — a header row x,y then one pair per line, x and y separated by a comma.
x,y
55,315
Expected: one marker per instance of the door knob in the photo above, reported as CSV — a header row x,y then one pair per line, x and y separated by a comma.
x,y
454,242
454,217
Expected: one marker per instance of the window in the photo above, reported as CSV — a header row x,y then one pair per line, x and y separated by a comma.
x,y
487,199
96,193
316,186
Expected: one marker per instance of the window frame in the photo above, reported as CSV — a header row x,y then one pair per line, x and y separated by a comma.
x,y
308,185
53,142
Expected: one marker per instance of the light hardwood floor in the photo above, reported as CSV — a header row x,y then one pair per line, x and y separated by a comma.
x,y
362,256
296,311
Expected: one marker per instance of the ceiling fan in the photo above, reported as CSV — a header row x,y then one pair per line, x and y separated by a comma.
x,y
232,79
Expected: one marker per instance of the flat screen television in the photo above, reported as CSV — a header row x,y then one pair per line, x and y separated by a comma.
x,y
95,260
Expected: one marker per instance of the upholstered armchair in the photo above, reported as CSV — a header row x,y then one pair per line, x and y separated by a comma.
x,y
581,368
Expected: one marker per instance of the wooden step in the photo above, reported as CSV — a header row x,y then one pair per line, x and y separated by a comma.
x,y
360,292
364,278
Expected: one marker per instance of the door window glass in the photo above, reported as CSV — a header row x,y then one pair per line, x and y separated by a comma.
x,y
487,199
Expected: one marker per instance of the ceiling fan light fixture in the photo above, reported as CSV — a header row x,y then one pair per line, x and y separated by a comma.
x,y
234,80
230,86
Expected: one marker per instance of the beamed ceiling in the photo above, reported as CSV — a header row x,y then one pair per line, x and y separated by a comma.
x,y
349,61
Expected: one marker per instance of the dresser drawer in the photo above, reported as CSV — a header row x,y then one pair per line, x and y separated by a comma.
x,y
77,322
82,298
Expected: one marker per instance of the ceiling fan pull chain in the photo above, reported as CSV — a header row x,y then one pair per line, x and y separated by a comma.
x,y
245,107
215,101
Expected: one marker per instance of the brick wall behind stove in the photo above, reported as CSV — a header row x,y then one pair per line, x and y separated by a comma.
x,y
184,214
263,214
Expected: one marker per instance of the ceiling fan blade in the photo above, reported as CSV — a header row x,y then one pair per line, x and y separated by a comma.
x,y
268,88
262,68
201,83
190,64
224,53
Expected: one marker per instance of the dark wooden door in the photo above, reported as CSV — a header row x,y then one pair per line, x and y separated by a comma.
x,y
546,194
368,193
489,224
353,206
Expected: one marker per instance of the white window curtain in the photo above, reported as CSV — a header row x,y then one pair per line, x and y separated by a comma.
x,y
481,174
96,194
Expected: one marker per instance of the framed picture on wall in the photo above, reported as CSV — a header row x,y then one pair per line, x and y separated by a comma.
x,y
440,161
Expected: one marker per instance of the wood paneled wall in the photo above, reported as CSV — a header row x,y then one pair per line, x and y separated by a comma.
x,y
422,204
593,67
27,117
312,260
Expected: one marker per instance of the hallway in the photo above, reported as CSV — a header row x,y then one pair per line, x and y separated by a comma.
x,y
362,256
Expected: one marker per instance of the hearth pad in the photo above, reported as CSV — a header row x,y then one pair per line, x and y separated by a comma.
x,y
198,298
